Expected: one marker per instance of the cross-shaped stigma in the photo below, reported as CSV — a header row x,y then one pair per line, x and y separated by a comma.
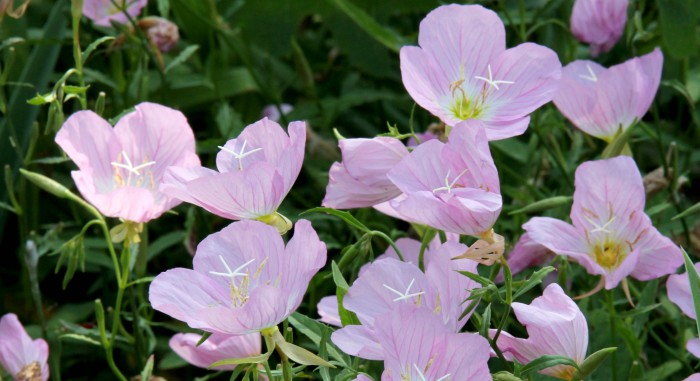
x,y
422,376
232,274
240,155
404,295
449,185
129,166
491,81
590,76
600,228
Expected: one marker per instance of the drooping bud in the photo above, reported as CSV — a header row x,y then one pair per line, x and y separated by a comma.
x,y
162,33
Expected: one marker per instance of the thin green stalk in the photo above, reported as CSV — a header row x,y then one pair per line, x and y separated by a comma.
x,y
389,241
613,332
428,236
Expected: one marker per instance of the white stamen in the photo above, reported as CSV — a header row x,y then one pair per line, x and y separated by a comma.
x,y
449,185
129,166
590,76
420,373
404,295
491,81
240,155
232,274
600,228
444,377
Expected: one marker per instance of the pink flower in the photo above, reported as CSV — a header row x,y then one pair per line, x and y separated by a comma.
x,y
328,310
388,282
678,289
603,102
360,180
22,357
417,346
217,347
256,171
450,186
610,236
244,278
599,23
555,326
103,12
526,253
121,168
462,71
410,249
271,112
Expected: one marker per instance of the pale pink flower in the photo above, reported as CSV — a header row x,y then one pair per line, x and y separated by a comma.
x,y
599,23
450,186
678,289
462,70
217,347
610,236
256,170
328,310
388,282
244,278
417,346
693,377
22,357
273,113
103,12
555,326
121,168
360,179
604,102
526,253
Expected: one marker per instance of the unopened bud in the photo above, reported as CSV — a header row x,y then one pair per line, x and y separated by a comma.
x,y
163,33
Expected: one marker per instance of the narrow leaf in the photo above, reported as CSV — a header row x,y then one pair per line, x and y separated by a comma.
x,y
345,216
546,361
184,55
690,211
694,279
545,204
314,331
385,36
592,362
534,280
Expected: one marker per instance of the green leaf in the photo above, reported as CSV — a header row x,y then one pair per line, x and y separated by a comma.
x,y
204,338
41,99
51,160
345,216
248,360
664,371
505,376
37,70
147,369
592,362
477,278
346,317
688,212
81,338
313,329
184,55
694,279
546,361
94,45
678,24
547,203
164,243
57,189
385,36
618,146
297,353
485,321
534,280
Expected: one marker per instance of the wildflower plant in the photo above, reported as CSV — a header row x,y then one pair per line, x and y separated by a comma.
x,y
336,191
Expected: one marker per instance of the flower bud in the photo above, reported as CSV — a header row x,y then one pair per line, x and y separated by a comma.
x,y
162,33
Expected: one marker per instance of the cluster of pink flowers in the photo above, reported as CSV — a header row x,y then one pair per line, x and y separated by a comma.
x,y
246,280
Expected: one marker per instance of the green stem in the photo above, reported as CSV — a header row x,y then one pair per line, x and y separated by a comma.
x,y
613,332
428,236
389,241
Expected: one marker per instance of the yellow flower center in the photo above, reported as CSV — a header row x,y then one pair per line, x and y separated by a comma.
x,y
30,372
463,108
609,254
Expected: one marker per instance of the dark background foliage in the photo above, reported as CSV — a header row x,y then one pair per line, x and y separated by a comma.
x,y
339,71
